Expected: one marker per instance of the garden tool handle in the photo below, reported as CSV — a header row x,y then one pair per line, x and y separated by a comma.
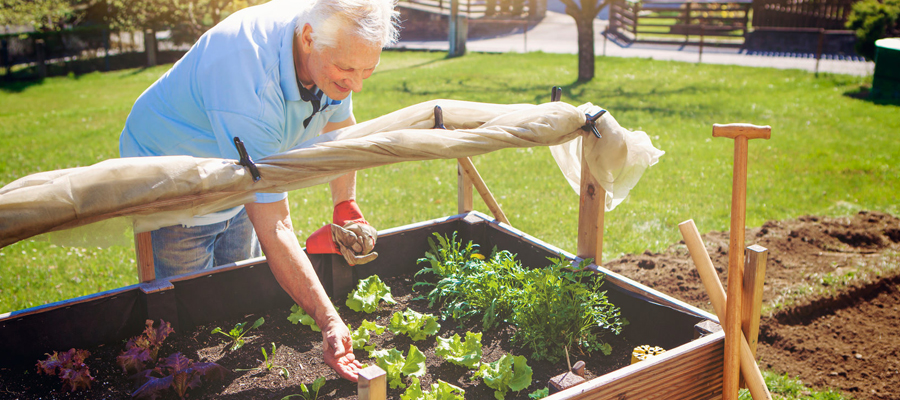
x,y
741,133
749,131
717,297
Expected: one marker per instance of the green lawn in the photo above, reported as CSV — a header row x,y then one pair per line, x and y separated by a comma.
x,y
830,153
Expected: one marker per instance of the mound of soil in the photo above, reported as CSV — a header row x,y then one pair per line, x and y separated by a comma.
x,y
830,303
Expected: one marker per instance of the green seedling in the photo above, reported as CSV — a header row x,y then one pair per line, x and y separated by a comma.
x,y
269,365
237,333
310,393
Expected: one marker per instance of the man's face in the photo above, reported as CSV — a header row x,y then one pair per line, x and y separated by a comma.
x,y
338,71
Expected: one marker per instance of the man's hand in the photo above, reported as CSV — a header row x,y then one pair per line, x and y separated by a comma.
x,y
355,241
338,351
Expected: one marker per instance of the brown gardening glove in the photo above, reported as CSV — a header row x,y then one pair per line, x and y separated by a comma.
x,y
355,241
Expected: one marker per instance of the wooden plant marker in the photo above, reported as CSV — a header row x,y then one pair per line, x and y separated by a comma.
x,y
372,383
143,248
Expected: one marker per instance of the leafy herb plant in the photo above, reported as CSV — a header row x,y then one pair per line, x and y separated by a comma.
x,y
237,333
70,368
367,294
298,314
416,325
310,393
552,308
178,373
467,354
394,364
439,391
144,348
508,373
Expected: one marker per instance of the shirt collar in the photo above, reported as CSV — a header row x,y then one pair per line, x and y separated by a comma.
x,y
288,73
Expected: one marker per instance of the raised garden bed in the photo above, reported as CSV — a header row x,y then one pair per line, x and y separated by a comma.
x,y
196,303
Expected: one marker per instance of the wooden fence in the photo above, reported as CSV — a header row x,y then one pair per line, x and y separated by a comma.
x,y
483,8
667,21
825,14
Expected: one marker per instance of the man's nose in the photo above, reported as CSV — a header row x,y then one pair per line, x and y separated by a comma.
x,y
355,81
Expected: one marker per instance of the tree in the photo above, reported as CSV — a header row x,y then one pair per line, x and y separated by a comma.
x,y
872,20
41,15
584,22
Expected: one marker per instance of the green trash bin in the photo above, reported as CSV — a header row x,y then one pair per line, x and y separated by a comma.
x,y
886,82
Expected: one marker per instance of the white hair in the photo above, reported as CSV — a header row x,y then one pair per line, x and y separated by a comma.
x,y
373,21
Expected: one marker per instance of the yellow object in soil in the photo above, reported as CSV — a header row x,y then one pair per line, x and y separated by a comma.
x,y
644,352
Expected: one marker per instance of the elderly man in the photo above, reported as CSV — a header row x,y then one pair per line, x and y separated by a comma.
x,y
274,75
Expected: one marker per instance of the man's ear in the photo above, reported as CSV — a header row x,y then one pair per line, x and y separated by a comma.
x,y
306,41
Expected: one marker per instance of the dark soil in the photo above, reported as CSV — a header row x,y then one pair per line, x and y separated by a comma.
x,y
831,297
299,349
831,319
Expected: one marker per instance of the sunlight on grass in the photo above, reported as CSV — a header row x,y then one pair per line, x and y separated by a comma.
x,y
830,154
784,387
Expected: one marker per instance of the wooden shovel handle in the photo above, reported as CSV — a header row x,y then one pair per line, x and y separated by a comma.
x,y
749,131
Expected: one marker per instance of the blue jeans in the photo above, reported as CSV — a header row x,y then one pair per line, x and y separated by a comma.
x,y
178,250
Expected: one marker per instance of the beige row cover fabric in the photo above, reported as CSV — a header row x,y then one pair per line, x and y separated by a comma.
x,y
152,192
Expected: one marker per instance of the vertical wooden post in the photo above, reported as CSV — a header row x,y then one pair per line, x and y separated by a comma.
x,y
754,277
464,190
143,248
591,209
372,383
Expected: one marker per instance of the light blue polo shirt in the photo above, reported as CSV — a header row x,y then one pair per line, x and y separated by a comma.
x,y
237,80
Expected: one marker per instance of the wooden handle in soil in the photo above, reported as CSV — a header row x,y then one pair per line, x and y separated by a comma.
x,y
749,369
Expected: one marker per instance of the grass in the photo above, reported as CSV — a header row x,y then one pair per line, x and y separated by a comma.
x,y
830,153
783,387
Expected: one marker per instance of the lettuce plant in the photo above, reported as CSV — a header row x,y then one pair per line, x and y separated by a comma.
x,y
394,364
360,336
298,314
70,368
237,333
144,348
508,373
467,354
367,293
178,373
439,391
416,325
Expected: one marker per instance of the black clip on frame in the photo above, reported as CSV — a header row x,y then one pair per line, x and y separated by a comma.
x,y
245,159
590,124
438,118
555,93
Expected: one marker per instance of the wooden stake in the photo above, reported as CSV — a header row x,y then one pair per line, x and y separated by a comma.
x,y
466,164
464,191
754,277
372,383
741,133
707,272
143,249
591,209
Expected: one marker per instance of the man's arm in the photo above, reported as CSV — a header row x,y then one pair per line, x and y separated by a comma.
x,y
296,275
343,188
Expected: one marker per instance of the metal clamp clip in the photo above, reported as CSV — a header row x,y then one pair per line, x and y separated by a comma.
x,y
245,159
590,124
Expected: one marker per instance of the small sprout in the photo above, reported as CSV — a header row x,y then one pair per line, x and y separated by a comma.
x,y
237,333
310,393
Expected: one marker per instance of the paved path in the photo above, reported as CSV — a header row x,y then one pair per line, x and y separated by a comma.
x,y
556,34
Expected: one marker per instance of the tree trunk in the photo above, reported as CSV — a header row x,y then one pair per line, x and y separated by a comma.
x,y
150,47
585,26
